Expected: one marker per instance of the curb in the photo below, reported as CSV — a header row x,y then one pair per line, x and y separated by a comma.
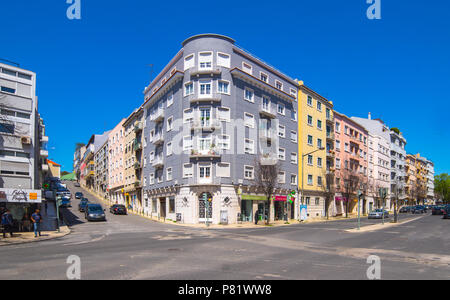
x,y
65,230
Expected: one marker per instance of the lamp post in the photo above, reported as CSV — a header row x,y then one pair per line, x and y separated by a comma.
x,y
303,180
382,192
359,209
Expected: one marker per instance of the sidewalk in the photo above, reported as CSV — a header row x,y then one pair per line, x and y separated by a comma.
x,y
261,224
28,237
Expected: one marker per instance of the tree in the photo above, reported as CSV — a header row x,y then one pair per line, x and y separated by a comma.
x,y
329,190
351,183
442,187
266,179
419,191
397,191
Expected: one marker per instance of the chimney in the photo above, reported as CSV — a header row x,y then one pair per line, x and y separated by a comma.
x,y
370,116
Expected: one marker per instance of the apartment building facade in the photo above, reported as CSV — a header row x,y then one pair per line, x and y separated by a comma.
x,y
133,159
116,141
351,165
410,178
101,164
21,145
430,182
380,134
316,141
212,113
398,173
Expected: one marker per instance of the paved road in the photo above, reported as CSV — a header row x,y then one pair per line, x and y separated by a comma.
x,y
130,247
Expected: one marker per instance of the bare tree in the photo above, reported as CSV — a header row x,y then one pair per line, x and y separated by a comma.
x,y
266,179
351,183
329,190
397,189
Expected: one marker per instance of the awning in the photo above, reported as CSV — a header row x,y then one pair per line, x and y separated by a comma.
x,y
253,197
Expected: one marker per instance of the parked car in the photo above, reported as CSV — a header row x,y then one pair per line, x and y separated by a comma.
x,y
65,202
437,210
82,205
446,211
405,209
378,214
118,209
94,212
418,209
78,195
63,192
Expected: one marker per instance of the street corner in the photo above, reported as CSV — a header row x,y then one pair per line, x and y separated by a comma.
x,y
28,237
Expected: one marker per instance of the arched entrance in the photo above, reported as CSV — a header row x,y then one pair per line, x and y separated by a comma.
x,y
205,207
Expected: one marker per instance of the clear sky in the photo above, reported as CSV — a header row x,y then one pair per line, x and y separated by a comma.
x,y
92,72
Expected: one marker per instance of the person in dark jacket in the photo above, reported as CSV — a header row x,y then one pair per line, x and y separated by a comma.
x,y
256,217
36,218
7,222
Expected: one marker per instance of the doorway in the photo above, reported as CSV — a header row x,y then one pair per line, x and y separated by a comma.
x,y
162,207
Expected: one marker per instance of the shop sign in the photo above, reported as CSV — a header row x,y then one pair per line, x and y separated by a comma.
x,y
20,196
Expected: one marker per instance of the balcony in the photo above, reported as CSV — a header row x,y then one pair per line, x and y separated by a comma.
x,y
44,168
158,162
268,112
269,159
158,138
331,153
330,135
211,153
267,134
206,71
205,98
330,118
137,146
205,181
207,124
43,153
137,165
138,126
157,116
44,139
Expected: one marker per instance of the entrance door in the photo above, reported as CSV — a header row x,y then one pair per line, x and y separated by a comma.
x,y
205,208
247,210
162,207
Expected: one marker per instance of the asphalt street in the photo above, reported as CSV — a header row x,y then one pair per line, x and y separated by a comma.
x,y
131,247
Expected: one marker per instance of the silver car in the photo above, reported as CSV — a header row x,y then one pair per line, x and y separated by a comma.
x,y
378,214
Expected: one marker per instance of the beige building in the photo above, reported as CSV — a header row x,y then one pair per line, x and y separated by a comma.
x,y
116,142
133,160
54,169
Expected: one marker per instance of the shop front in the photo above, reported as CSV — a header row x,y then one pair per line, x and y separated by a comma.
x,y
22,204
281,207
247,209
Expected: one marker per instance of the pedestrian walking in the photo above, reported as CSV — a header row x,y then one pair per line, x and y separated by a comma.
x,y
36,218
256,217
7,222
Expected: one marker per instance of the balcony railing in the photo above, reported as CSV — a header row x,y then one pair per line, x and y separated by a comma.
x,y
158,138
330,135
206,71
268,112
137,165
267,134
206,124
210,153
137,146
138,126
213,97
137,183
158,161
205,181
43,153
157,116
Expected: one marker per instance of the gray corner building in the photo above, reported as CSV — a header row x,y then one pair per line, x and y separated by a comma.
x,y
209,116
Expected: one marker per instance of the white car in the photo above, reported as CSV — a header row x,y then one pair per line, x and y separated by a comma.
x,y
378,214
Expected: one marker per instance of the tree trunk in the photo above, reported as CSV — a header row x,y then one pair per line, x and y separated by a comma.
x,y
268,211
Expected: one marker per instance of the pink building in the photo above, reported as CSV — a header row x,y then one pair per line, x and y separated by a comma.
x,y
116,146
351,163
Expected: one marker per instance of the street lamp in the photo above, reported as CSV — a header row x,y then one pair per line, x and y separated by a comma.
x,y
303,159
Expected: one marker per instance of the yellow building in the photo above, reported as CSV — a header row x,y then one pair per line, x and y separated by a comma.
x,y
421,178
315,128
133,160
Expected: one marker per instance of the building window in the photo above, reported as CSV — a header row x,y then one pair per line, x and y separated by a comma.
x,y
281,109
169,99
278,85
310,160
249,95
188,170
293,179
249,120
224,142
223,60
309,101
188,115
294,158
310,120
281,177
224,114
188,89
281,131
187,143
310,180
319,181
319,124
338,163
223,87
264,77
223,169
249,146
189,62
293,115
249,172
310,140
205,88
293,136
169,174
319,105
205,60
169,123
247,68
319,162
319,143
282,154
169,149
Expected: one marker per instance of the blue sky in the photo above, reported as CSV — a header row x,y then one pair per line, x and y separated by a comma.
x,y
91,72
